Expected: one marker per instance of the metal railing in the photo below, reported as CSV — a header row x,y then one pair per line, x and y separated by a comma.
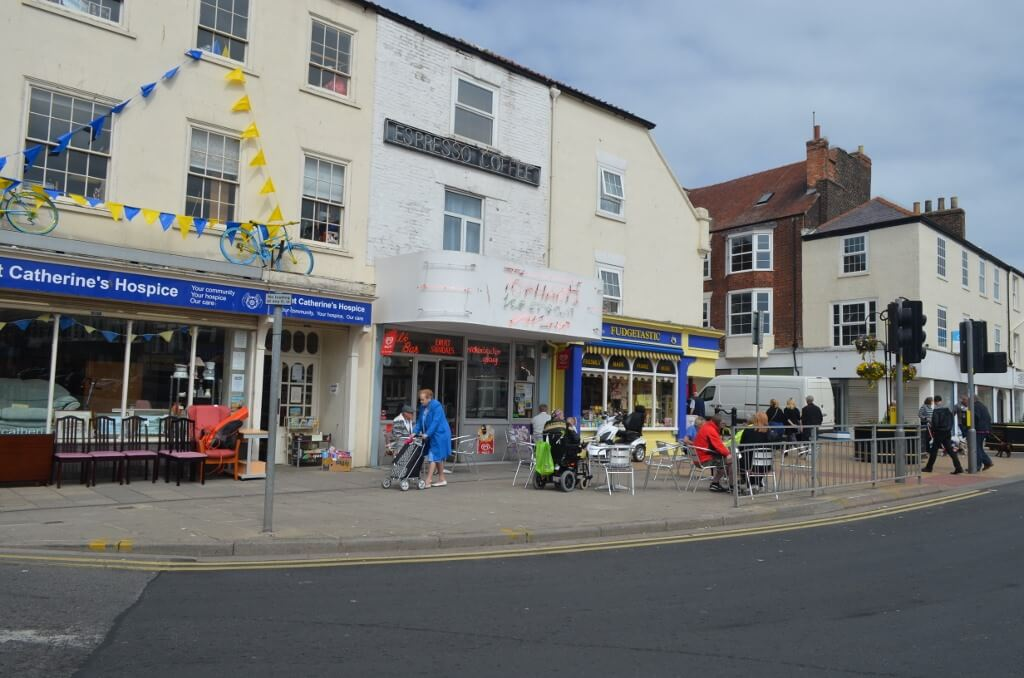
x,y
819,461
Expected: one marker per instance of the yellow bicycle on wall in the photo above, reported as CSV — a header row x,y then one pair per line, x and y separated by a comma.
x,y
29,211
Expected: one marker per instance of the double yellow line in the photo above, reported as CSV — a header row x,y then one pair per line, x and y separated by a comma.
x,y
114,563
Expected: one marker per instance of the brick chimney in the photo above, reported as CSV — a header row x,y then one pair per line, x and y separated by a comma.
x,y
818,162
952,220
842,180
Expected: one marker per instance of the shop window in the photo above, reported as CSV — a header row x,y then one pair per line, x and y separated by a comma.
x,y
665,393
330,58
25,343
524,389
643,387
90,361
299,342
396,386
312,343
295,342
297,390
624,385
487,377
82,168
224,28
158,377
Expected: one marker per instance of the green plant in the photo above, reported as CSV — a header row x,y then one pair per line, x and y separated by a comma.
x,y
871,371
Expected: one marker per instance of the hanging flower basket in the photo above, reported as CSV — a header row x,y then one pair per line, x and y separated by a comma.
x,y
909,372
868,344
871,371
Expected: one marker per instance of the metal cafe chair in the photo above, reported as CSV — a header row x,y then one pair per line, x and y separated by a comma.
x,y
528,463
619,464
666,457
699,470
464,448
762,466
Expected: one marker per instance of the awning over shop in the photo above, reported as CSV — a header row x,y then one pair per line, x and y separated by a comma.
x,y
633,351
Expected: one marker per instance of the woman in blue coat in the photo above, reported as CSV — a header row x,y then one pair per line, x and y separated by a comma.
x,y
433,424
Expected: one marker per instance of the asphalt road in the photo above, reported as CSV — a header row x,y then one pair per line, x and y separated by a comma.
x,y
935,592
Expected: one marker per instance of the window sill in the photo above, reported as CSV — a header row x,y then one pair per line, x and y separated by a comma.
x,y
225,63
325,249
854,275
611,215
752,270
330,96
119,29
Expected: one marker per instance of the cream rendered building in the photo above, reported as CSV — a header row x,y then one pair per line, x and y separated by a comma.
x,y
308,71
618,213
856,264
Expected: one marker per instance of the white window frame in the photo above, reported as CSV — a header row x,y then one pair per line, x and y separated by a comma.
x,y
618,301
767,319
62,6
997,288
940,257
342,243
870,321
209,129
464,218
942,326
981,277
706,310
602,194
754,249
997,338
219,55
843,254
1015,358
1015,291
965,270
707,265
349,96
494,117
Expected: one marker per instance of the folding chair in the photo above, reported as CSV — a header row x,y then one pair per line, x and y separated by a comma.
x,y
619,464
666,457
529,463
464,447
698,468
762,465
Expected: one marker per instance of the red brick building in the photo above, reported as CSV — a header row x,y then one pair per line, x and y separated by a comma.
x,y
756,227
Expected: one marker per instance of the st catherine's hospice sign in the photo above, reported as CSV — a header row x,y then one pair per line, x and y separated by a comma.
x,y
35,276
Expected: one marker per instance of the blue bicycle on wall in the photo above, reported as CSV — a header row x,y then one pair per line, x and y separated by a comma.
x,y
242,244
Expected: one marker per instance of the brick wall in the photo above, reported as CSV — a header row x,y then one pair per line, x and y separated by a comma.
x,y
847,185
414,84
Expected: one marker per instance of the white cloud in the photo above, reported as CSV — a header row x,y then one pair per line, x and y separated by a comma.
x,y
934,90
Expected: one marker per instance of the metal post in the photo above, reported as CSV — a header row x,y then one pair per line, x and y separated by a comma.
x,y
735,465
273,413
901,443
814,460
53,373
972,440
874,454
757,368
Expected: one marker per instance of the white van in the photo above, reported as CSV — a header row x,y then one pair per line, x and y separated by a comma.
x,y
737,390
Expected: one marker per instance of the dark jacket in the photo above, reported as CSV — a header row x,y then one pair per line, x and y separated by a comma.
x,y
982,418
634,422
791,416
942,421
774,415
811,415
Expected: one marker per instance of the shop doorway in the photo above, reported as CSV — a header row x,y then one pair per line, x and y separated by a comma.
x,y
443,378
299,378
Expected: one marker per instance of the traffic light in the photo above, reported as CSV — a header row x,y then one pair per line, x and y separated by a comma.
x,y
979,344
908,328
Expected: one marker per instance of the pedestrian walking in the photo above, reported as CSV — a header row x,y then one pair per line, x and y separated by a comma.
x,y
811,417
433,425
941,434
924,414
774,413
982,428
791,416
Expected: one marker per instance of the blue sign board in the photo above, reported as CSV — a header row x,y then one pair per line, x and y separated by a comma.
x,y
705,343
642,335
36,276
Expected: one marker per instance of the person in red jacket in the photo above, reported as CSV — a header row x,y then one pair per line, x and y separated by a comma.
x,y
711,450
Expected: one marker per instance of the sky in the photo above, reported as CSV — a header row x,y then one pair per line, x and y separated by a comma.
x,y
934,90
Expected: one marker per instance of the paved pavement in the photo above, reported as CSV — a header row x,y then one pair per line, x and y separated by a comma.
x,y
320,513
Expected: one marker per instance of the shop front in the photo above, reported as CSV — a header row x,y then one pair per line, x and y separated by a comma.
x,y
479,333
636,362
87,338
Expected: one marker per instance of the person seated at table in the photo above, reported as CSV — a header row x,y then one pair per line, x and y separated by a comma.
x,y
711,451
560,435
633,426
758,436
691,431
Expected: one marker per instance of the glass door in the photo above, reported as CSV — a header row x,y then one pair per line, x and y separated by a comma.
x,y
448,392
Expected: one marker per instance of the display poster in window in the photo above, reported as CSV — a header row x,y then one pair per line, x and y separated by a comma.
x,y
419,343
485,440
617,362
487,354
643,365
593,360
667,367
523,398
387,346
562,360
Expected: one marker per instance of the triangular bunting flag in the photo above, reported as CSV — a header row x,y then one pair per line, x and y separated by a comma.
x,y
46,317
200,225
259,160
236,77
96,126
116,210
79,199
194,54
3,161
268,187
241,105
53,194
89,329
110,335
8,184
93,202
65,323
232,229
130,212
149,215
147,89
22,324
185,223
120,107
171,73
62,143
31,154
250,132
3,325
276,215
167,336
226,50
39,190
167,219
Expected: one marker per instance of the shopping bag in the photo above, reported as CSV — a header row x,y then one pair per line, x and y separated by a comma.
x,y
545,465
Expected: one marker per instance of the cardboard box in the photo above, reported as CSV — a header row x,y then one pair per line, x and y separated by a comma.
x,y
342,464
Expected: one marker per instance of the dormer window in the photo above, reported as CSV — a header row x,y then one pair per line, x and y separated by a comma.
x,y
765,197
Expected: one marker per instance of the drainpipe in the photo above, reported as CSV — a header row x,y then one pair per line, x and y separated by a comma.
x,y
796,308
554,92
